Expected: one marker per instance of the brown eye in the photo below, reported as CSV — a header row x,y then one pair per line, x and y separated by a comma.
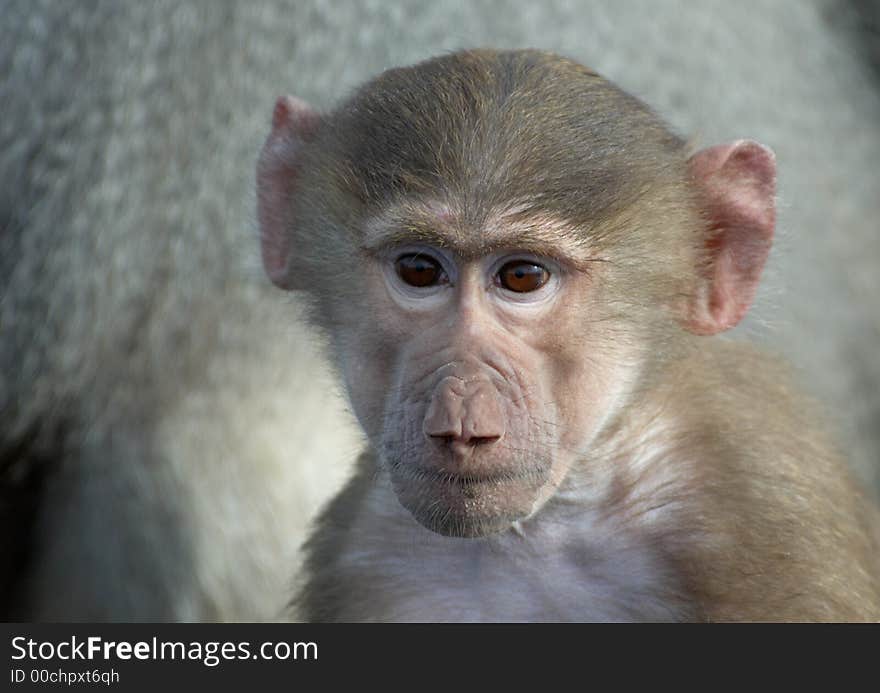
x,y
522,276
419,270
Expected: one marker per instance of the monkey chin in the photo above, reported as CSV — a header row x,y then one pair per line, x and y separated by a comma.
x,y
465,507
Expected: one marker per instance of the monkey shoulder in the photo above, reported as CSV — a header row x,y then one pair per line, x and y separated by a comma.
x,y
747,403
770,495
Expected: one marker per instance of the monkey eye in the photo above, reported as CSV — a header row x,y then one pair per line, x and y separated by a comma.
x,y
419,270
522,276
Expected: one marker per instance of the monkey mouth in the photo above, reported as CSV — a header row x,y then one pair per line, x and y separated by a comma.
x,y
466,504
470,478
467,480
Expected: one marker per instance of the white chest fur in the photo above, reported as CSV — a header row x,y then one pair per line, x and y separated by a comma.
x,y
562,565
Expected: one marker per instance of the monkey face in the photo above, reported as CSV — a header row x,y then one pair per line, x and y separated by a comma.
x,y
480,387
497,279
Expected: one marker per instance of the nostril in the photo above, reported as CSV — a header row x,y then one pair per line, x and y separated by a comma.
x,y
446,440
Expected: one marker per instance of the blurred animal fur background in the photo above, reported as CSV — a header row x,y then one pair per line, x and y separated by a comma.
x,y
168,427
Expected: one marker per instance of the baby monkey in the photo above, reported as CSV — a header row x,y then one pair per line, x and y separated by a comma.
x,y
521,272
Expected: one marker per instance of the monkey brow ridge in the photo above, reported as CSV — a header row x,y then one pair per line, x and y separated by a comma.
x,y
541,235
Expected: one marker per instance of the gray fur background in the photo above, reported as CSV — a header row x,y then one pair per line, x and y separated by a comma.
x,y
167,425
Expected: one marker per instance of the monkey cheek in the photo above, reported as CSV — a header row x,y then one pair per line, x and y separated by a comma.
x,y
469,509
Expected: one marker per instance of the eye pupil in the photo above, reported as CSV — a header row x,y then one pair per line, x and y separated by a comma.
x,y
419,271
522,277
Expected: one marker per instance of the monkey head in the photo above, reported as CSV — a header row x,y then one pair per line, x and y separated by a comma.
x,y
503,248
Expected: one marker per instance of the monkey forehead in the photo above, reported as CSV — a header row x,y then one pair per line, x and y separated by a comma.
x,y
511,227
486,128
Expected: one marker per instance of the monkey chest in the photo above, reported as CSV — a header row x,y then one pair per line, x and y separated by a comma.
x,y
511,580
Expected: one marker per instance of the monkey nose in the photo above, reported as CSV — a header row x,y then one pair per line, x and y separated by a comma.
x,y
462,416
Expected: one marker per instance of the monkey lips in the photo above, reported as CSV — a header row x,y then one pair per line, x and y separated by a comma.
x,y
467,504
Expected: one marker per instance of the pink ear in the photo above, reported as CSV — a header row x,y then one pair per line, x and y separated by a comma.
x,y
294,123
738,184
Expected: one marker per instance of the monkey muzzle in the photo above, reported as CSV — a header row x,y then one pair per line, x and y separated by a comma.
x,y
470,473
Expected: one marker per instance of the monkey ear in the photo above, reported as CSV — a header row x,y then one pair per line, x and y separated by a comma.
x,y
737,182
294,122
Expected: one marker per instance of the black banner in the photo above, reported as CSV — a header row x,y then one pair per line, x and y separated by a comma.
x,y
134,657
